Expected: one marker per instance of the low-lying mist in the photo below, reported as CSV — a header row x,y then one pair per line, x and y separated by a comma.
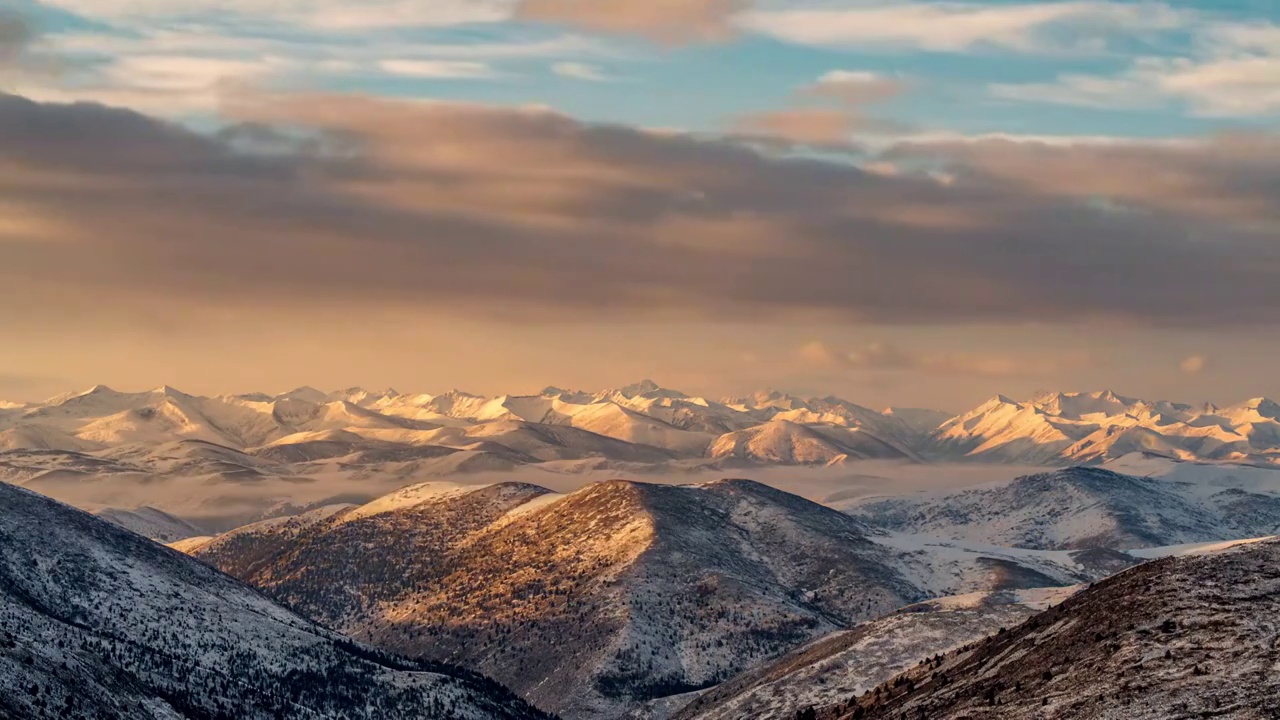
x,y
217,504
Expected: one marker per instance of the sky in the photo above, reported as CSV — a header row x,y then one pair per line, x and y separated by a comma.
x,y
905,202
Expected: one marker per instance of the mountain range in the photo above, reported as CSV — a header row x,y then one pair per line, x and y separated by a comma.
x,y
220,462
1091,507
653,425
98,622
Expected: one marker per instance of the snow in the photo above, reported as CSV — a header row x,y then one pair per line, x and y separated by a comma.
x,y
229,460
411,496
767,428
623,582
1089,427
534,505
785,442
1208,548
1093,507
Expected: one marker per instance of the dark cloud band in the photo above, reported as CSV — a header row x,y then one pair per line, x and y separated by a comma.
x,y
474,209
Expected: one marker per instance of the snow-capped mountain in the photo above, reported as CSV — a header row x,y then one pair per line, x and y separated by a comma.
x,y
1073,428
1093,508
1052,428
221,462
1180,637
642,414
783,442
618,594
97,622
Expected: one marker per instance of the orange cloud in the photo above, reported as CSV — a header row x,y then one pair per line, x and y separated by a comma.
x,y
884,356
665,21
840,112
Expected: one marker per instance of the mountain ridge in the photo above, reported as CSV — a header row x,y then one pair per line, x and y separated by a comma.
x,y
616,594
1050,428
1178,637
1082,508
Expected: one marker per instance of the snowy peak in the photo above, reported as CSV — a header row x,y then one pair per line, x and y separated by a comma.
x,y
1092,427
1078,405
769,400
790,443
646,387
645,423
1256,408
96,390
360,396
305,394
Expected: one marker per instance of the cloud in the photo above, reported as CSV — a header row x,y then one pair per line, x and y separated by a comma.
x,y
874,355
330,14
807,126
185,69
856,87
438,69
1046,27
1194,364
1227,179
579,71
1234,72
15,37
664,21
888,357
518,214
828,112
1220,87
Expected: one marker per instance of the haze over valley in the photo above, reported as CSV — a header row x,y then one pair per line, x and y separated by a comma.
x,y
227,460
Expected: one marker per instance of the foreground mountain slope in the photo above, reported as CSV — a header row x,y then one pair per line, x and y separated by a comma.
x,y
852,661
1083,508
97,622
612,596
1180,637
